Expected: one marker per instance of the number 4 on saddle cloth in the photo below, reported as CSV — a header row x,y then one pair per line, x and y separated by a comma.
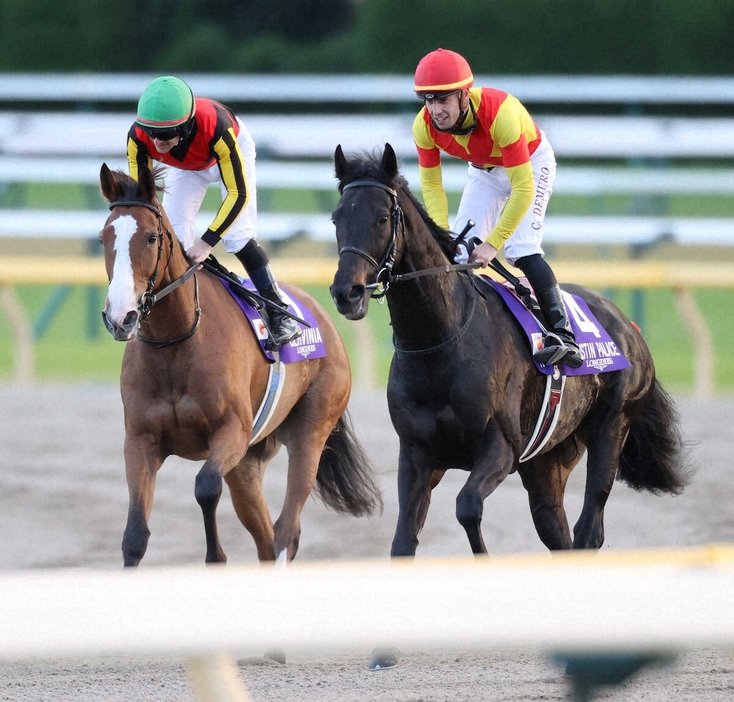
x,y
600,353
307,346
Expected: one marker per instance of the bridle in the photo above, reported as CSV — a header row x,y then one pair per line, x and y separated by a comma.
x,y
385,276
149,298
397,224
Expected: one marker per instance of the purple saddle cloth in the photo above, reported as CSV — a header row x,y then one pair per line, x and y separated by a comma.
x,y
309,345
600,352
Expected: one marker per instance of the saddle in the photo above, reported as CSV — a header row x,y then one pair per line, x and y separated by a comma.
x,y
308,346
601,354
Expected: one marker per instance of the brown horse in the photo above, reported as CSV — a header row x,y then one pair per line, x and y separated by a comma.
x,y
193,377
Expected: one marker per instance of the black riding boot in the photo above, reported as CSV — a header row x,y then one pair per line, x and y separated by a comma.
x,y
559,345
282,327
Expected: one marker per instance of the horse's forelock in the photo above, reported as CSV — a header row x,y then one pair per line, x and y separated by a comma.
x,y
367,165
131,190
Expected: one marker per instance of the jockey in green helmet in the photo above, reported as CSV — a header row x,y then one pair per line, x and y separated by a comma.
x,y
203,142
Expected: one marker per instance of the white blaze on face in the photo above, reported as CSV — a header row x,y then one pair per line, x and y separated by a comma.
x,y
121,297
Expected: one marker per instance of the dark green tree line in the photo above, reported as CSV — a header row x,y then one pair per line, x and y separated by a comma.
x,y
523,36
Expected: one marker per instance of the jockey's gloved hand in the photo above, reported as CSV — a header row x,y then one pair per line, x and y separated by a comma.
x,y
464,249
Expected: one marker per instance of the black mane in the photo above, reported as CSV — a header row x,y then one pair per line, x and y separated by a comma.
x,y
369,165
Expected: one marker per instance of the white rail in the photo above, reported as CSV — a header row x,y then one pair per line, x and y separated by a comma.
x,y
316,136
613,604
319,175
368,88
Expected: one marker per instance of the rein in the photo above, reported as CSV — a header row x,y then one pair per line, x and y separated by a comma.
x,y
149,298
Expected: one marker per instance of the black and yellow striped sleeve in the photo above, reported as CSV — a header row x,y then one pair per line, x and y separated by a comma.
x,y
232,171
137,154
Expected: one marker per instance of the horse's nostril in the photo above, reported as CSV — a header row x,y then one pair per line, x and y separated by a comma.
x,y
130,320
349,295
356,293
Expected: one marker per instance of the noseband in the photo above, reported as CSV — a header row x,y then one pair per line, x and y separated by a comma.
x,y
149,298
384,268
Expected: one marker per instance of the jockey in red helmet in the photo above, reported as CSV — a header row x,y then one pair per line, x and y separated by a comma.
x,y
509,182
203,142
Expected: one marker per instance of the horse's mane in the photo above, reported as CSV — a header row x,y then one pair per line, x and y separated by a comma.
x,y
369,165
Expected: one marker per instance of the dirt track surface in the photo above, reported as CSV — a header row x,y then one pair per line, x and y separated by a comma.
x,y
63,503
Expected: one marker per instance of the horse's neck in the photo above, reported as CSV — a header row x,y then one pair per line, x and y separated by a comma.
x,y
426,310
174,313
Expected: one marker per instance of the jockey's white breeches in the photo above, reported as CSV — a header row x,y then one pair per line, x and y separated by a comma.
x,y
185,190
486,193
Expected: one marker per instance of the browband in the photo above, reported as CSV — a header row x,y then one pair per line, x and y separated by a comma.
x,y
135,203
371,184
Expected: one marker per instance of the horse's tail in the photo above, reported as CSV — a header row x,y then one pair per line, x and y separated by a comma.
x,y
345,480
654,456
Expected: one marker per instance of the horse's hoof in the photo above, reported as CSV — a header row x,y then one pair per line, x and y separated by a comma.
x,y
275,655
384,658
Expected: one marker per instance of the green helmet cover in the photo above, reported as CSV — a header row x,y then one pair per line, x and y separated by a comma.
x,y
167,102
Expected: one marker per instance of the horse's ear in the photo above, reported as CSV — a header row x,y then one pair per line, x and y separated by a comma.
x,y
146,184
342,168
389,162
108,184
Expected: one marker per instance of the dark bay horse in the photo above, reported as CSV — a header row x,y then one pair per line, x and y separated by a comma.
x,y
193,377
463,392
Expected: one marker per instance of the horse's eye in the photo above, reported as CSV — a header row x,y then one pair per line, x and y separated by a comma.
x,y
152,239
383,219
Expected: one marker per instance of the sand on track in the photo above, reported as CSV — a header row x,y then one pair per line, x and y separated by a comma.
x,y
63,504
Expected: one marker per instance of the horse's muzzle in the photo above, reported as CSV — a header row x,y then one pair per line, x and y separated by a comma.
x,y
351,301
125,330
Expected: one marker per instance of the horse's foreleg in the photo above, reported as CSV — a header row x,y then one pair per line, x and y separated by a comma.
x,y
492,468
141,468
545,478
601,469
415,482
208,490
227,447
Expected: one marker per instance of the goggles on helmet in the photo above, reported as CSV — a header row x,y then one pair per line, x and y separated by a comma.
x,y
438,95
164,134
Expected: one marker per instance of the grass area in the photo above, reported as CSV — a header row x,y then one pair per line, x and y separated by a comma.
x,y
75,346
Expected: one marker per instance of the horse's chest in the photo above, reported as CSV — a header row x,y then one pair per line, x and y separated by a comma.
x,y
443,429
174,414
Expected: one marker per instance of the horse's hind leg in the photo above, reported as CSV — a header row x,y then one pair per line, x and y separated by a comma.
x,y
141,468
245,484
545,478
601,469
303,464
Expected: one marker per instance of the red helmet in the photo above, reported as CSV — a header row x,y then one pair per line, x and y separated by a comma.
x,y
442,71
